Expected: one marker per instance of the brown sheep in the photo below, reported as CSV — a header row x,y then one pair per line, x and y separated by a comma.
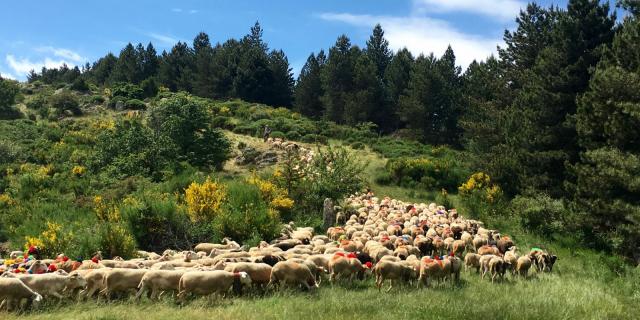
x,y
208,282
13,290
392,271
292,273
523,265
433,269
260,273
485,250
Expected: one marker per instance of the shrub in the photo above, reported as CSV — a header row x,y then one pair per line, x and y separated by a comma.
x,y
540,213
79,85
358,145
186,122
481,197
204,200
127,91
114,239
383,178
149,87
426,172
277,134
96,99
52,241
135,104
315,138
223,122
293,135
117,102
246,216
65,101
37,102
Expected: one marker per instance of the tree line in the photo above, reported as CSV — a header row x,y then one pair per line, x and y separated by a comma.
x,y
556,112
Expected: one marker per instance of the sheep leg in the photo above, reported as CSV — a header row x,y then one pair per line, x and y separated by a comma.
x,y
390,285
140,292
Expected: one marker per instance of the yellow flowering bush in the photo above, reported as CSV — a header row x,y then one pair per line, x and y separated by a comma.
x,y
276,197
6,200
116,240
204,199
78,171
52,241
480,195
105,212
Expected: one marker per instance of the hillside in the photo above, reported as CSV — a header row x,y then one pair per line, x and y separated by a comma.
x,y
58,191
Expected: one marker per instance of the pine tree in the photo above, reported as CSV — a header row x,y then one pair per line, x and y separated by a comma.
x,y
203,81
363,104
102,69
606,189
253,77
337,78
149,62
378,51
547,102
308,91
281,92
176,68
127,69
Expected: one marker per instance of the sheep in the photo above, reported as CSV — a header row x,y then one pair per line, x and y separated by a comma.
x,y
433,268
472,260
13,290
208,282
122,280
292,273
511,259
485,250
523,265
344,265
496,267
260,273
156,281
95,281
392,271
52,284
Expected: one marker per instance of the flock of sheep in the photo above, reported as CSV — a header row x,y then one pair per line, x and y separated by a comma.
x,y
387,239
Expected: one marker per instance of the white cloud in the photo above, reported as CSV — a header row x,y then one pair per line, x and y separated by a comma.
x,y
6,75
63,53
176,10
165,39
500,9
192,11
424,35
22,66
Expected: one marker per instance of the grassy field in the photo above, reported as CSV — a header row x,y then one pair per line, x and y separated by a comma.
x,y
583,286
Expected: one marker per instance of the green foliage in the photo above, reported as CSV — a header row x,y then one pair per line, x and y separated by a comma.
x,y
542,214
277,134
135,104
131,148
8,91
246,216
127,91
427,173
64,102
79,85
314,138
186,122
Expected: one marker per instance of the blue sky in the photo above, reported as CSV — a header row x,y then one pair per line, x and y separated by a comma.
x,y
37,33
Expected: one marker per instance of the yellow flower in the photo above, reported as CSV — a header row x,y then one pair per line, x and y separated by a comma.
x,y
78,170
5,200
204,199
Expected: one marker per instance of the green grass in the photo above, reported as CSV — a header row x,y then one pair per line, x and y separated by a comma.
x,y
582,286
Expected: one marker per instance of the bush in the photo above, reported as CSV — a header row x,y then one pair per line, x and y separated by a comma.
x,y
114,239
149,87
96,99
315,138
358,145
37,102
117,102
223,122
135,104
79,85
186,122
277,134
540,213
246,216
428,173
383,178
482,198
65,101
127,90
204,200
293,135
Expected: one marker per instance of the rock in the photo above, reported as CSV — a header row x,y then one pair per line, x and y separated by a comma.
x,y
328,214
